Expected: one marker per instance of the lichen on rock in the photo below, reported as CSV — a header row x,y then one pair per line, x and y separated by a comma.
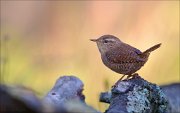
x,y
137,100
135,95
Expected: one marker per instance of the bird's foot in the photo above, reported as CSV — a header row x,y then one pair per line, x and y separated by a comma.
x,y
129,76
116,84
133,76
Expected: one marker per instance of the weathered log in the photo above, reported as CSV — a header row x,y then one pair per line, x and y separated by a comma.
x,y
135,95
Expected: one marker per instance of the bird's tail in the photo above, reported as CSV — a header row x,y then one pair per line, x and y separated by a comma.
x,y
151,49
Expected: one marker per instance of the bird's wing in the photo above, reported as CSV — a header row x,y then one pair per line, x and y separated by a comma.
x,y
124,54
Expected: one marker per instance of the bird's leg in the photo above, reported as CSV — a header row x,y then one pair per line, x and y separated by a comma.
x,y
118,82
121,78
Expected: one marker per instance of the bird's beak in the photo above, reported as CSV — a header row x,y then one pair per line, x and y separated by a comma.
x,y
94,40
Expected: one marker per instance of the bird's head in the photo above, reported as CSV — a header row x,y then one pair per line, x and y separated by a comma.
x,y
106,43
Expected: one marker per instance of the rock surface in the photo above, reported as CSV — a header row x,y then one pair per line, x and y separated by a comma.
x,y
67,94
135,95
172,92
66,88
65,97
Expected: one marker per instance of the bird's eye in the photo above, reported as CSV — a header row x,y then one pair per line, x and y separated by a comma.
x,y
105,41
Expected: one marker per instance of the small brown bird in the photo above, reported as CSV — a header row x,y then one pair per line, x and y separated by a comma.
x,y
121,57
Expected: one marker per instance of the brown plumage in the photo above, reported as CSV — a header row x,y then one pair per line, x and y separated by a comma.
x,y
121,57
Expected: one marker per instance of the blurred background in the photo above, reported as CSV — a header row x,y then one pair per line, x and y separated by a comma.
x,y
42,40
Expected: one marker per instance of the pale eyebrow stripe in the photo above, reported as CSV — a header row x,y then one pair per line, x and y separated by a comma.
x,y
112,40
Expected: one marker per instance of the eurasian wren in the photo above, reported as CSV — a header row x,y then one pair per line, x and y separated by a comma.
x,y
121,57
